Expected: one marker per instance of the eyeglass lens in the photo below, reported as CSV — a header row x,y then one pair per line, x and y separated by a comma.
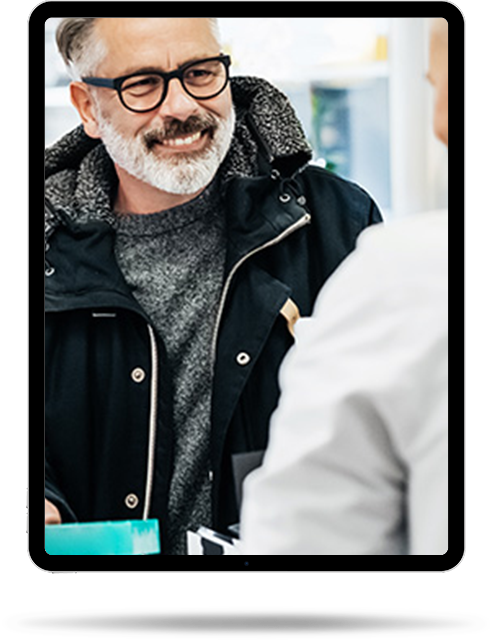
x,y
201,80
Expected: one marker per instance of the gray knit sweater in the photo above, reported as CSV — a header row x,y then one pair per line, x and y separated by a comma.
x,y
175,260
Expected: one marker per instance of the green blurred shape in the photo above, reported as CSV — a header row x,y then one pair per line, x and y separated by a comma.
x,y
111,537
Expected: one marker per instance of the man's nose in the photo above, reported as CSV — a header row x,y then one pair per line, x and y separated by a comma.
x,y
178,103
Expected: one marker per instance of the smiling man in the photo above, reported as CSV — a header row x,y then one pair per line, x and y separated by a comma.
x,y
185,232
167,139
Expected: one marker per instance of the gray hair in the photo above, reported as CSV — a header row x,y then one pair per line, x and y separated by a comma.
x,y
80,48
78,45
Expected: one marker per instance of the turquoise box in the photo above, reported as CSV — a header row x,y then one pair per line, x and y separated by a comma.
x,y
111,537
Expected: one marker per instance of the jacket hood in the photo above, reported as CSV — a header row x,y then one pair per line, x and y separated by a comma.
x,y
81,179
266,117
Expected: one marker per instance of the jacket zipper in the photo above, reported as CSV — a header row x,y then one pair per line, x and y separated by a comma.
x,y
305,220
302,222
152,423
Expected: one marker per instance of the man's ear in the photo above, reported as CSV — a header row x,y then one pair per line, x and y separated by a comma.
x,y
83,102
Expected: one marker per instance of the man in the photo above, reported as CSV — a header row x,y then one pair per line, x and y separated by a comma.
x,y
357,462
185,231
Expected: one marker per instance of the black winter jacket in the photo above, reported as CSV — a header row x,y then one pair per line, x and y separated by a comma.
x,y
108,400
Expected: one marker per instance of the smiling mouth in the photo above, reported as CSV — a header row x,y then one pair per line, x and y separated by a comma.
x,y
183,141
177,135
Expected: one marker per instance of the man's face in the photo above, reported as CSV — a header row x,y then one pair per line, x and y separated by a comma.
x,y
438,77
179,146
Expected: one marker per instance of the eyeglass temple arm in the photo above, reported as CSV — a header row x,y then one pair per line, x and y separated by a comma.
x,y
100,82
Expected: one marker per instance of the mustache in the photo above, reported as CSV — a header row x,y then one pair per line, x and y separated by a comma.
x,y
177,128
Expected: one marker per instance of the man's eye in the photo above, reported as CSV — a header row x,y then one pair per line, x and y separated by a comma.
x,y
142,84
199,76
198,73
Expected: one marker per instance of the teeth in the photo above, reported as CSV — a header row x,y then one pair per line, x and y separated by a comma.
x,y
180,142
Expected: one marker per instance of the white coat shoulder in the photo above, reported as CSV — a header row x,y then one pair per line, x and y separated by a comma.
x,y
364,403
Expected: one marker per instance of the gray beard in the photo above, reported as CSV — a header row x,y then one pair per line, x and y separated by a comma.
x,y
181,174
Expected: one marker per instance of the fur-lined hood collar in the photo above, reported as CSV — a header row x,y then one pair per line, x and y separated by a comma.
x,y
80,176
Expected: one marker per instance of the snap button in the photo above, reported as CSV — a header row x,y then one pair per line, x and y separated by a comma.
x,y
138,375
284,198
243,359
131,501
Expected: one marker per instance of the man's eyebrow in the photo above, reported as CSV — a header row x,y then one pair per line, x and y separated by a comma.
x,y
154,69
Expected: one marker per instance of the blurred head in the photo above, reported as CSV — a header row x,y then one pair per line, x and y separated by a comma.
x,y
438,76
176,147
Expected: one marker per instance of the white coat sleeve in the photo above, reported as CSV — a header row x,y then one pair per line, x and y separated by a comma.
x,y
357,459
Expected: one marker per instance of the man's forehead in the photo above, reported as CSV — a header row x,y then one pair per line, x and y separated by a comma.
x,y
157,43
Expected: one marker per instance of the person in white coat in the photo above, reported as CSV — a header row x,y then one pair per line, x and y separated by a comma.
x,y
357,462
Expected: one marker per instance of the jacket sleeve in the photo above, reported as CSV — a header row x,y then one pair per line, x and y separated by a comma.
x,y
375,216
53,493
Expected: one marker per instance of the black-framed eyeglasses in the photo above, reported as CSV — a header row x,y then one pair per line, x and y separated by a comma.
x,y
142,92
